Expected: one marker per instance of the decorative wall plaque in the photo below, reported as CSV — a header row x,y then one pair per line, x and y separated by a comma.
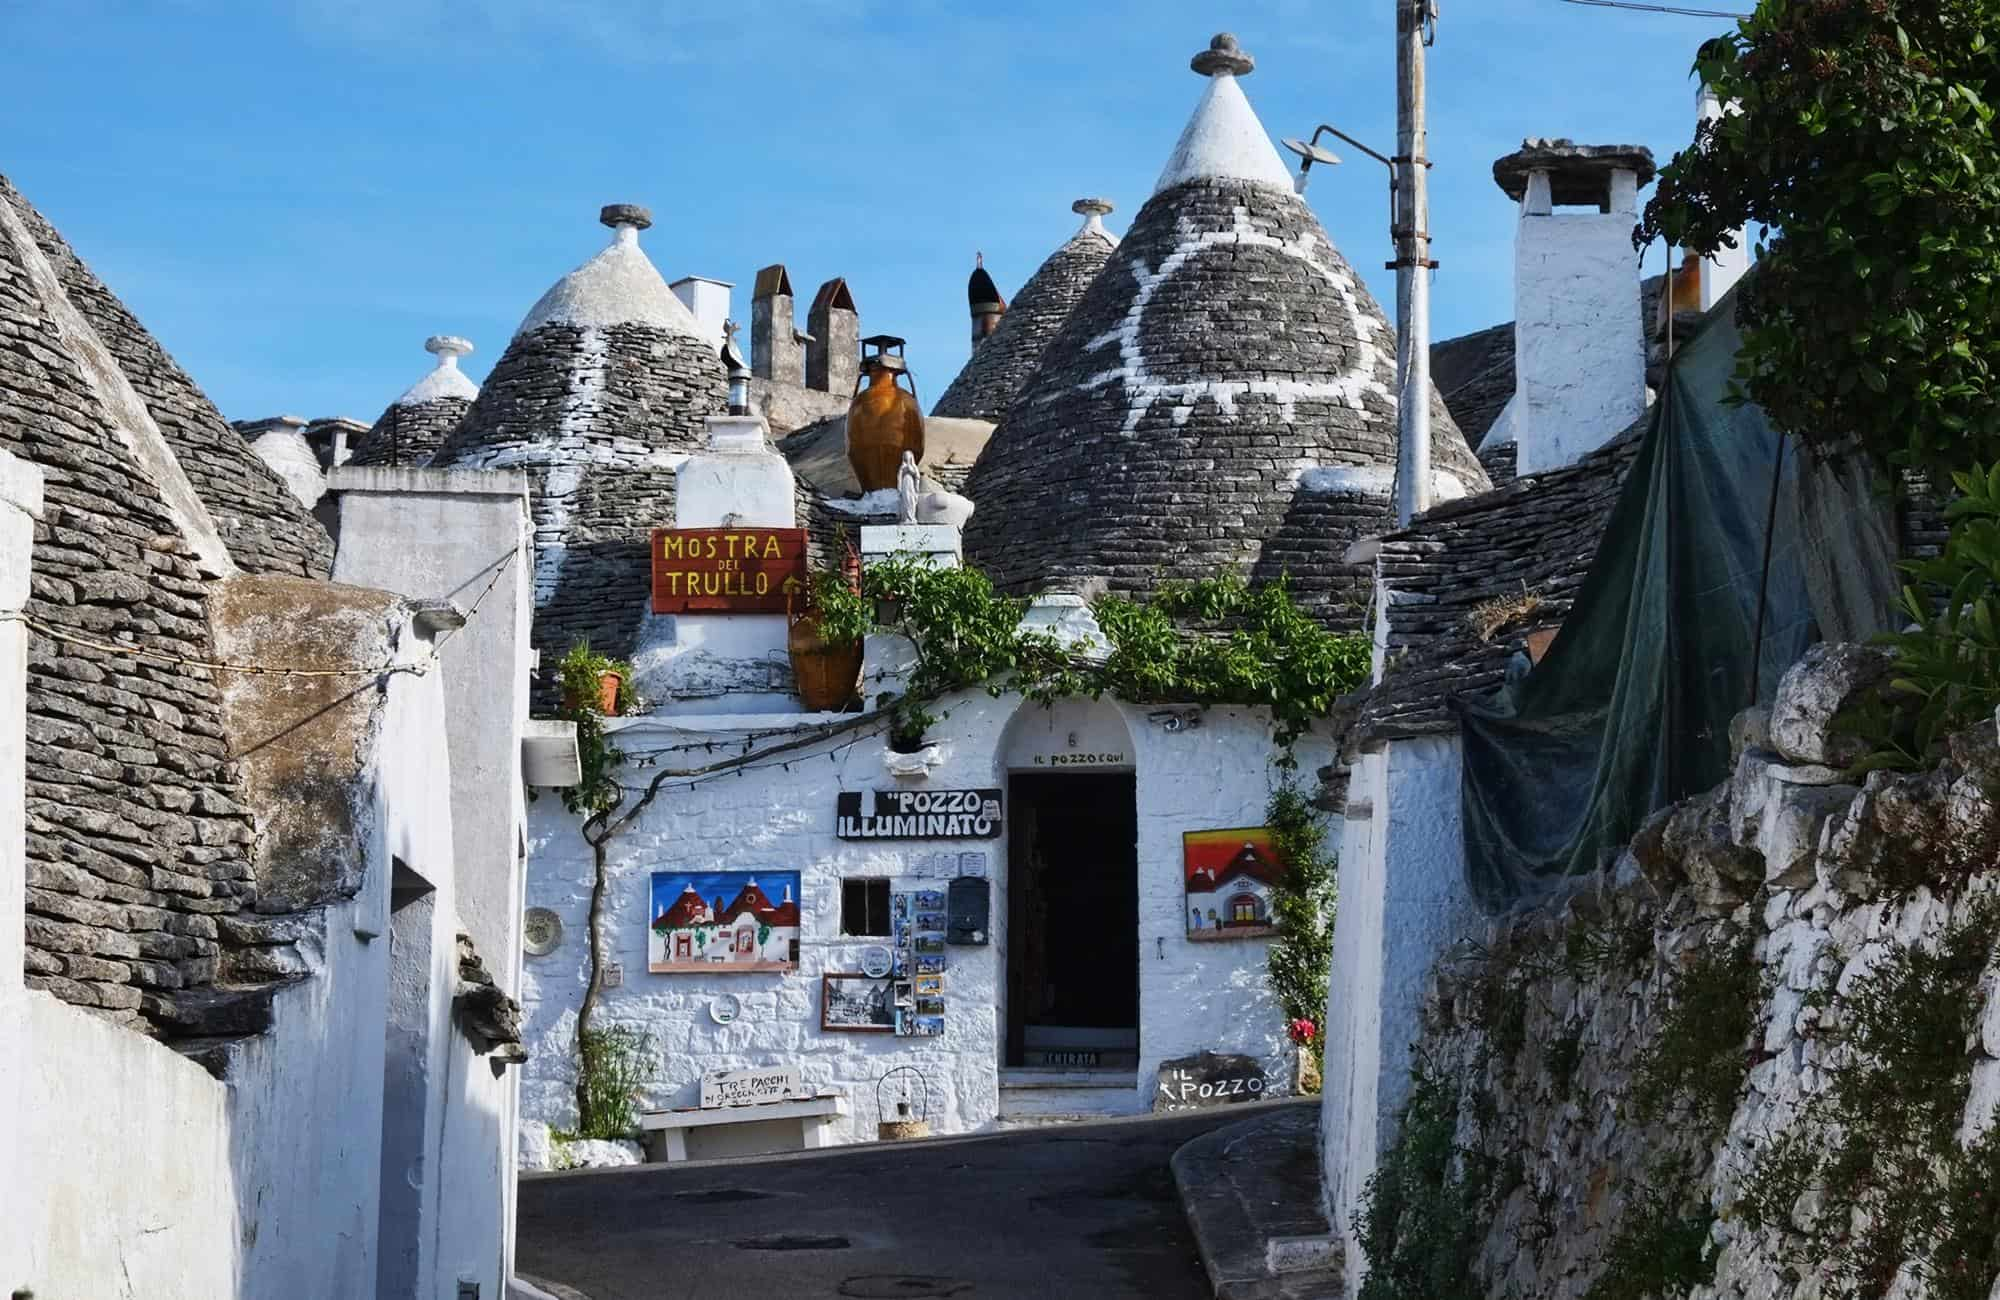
x,y
734,570
541,931
724,1008
877,961
919,815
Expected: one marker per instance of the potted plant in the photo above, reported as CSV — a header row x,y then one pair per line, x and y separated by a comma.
x,y
593,681
827,623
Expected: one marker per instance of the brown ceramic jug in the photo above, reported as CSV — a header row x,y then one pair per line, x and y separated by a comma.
x,y
883,420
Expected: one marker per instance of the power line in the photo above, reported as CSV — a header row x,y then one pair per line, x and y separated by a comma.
x,y
1657,9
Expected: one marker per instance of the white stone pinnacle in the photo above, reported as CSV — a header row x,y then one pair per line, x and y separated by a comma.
x,y
620,286
1224,140
444,380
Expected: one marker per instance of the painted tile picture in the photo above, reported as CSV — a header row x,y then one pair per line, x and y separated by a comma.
x,y
857,1004
1229,878
723,922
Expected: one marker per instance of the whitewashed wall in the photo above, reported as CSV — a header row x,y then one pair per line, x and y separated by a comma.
x,y
1193,996
1404,899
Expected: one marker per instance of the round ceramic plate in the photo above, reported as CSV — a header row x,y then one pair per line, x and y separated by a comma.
x,y
725,1008
541,931
876,961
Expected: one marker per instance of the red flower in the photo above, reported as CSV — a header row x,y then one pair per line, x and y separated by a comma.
x,y
1304,1031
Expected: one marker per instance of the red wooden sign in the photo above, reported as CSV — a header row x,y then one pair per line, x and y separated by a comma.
x,y
739,570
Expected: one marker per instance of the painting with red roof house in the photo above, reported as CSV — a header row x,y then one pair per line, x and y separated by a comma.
x,y
723,922
1230,877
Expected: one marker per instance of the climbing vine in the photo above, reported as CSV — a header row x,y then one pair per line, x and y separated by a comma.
x,y
1302,905
1212,641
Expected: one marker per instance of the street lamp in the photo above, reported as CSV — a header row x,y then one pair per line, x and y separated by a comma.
x,y
1411,265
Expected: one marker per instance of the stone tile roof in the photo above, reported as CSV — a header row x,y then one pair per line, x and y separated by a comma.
x,y
1225,356
264,526
1474,373
1001,365
1533,538
596,413
137,837
410,433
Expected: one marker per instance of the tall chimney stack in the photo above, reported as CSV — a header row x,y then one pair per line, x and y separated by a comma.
x,y
833,349
1579,339
987,304
777,349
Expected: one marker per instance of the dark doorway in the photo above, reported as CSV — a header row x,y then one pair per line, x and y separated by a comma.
x,y
1073,921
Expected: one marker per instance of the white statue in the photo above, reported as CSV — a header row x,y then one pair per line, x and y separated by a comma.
x,y
908,484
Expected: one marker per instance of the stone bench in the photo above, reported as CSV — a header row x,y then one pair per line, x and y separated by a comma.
x,y
720,1132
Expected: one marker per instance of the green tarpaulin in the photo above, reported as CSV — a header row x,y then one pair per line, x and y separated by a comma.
x,y
1630,709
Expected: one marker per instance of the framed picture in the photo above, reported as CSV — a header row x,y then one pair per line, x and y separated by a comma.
x,y
929,986
723,922
1230,875
930,965
857,1004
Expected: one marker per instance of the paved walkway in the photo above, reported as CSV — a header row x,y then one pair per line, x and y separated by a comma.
x,y
1086,1210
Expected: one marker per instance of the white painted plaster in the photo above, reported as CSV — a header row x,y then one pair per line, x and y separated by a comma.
x,y
445,379
738,481
1720,273
1224,139
465,536
20,506
1404,899
620,286
1372,481
707,301
1580,360
1193,996
292,459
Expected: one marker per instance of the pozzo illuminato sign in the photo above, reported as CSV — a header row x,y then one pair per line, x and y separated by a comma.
x,y
919,815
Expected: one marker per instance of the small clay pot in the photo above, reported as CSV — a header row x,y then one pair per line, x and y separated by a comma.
x,y
607,693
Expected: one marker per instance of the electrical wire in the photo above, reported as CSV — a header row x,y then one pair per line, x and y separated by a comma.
x,y
1657,9
416,668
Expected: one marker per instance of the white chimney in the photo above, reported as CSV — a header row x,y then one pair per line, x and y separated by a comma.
x,y
1579,340
1720,273
707,301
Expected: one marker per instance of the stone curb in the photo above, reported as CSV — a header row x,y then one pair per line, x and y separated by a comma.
x,y
1252,1185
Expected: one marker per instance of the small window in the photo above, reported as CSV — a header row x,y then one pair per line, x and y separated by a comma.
x,y
864,907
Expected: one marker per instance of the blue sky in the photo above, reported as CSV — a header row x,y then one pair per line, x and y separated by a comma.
x,y
294,193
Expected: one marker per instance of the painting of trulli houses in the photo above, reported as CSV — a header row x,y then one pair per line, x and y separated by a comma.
x,y
723,922
1230,878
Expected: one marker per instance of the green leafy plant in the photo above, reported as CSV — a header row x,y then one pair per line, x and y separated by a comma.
x,y
615,1064
1302,905
577,678
830,597
1425,1211
1879,1144
1948,663
1696,1064
1662,1248
1861,133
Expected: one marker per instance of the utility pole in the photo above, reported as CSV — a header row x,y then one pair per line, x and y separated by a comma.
x,y
1414,29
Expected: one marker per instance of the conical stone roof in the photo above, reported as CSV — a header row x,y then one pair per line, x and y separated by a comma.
x,y
136,825
416,424
1004,361
263,525
1222,397
600,394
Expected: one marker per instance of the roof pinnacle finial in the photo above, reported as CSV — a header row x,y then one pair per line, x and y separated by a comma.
x,y
1092,211
1223,55
626,221
447,348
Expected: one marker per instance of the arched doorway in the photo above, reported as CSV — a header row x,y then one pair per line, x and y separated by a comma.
x,y
1073,889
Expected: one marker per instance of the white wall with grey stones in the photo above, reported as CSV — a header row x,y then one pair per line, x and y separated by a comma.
x,y
1192,996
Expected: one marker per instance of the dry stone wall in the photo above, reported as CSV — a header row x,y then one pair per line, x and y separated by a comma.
x,y
1631,1072
409,434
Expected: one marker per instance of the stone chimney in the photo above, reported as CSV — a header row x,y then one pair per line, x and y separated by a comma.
x,y
1720,273
1579,339
707,301
833,348
777,349
984,297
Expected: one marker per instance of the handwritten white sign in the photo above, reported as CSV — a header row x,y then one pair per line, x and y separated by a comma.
x,y
721,1088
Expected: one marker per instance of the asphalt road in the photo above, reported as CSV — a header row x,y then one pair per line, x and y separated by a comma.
x,y
1085,1210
